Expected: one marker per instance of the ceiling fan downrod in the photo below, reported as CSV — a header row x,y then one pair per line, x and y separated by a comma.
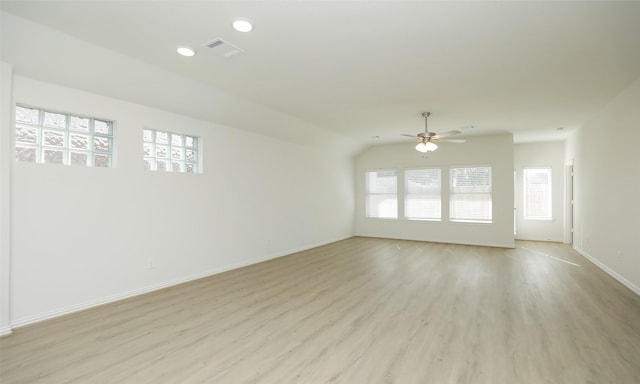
x,y
425,115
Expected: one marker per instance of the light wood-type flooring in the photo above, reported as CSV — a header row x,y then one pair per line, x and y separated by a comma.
x,y
356,311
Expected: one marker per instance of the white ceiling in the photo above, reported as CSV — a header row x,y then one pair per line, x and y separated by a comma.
x,y
369,68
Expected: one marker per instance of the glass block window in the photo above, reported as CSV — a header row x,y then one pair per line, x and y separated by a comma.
x,y
44,136
170,152
382,198
470,196
423,194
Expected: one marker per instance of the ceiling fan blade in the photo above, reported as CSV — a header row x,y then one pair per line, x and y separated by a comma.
x,y
458,141
445,134
404,134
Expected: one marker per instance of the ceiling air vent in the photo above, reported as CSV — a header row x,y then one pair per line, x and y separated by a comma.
x,y
223,48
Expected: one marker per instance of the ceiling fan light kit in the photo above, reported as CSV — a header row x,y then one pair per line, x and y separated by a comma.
x,y
426,147
426,140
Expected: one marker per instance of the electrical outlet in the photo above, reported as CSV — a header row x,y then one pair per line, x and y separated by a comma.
x,y
150,264
619,253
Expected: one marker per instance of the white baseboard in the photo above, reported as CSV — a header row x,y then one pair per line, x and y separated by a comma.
x,y
136,292
4,331
609,271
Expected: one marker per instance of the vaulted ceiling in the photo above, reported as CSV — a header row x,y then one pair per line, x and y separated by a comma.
x,y
367,69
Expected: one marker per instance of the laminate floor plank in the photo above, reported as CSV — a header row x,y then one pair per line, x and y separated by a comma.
x,y
361,310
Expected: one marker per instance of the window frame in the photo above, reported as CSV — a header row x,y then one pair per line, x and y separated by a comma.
x,y
66,132
452,195
549,193
408,194
151,159
369,194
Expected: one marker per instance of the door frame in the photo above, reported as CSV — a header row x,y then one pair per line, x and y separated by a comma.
x,y
569,203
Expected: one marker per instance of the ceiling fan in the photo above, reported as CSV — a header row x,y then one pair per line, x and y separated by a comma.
x,y
426,140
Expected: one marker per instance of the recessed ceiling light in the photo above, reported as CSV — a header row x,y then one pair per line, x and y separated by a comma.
x,y
186,51
241,24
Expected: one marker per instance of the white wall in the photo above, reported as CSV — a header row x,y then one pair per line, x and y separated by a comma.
x,y
84,236
544,154
46,54
5,198
273,183
496,151
607,187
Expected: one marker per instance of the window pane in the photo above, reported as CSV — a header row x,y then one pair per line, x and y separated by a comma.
x,y
53,156
162,165
149,164
423,207
382,199
147,135
79,124
53,138
162,137
79,141
471,207
79,158
100,160
177,166
190,142
54,120
162,151
176,140
423,200
190,155
102,144
177,153
27,115
471,196
27,135
26,154
147,149
423,180
191,168
384,206
382,182
102,127
471,180
537,193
